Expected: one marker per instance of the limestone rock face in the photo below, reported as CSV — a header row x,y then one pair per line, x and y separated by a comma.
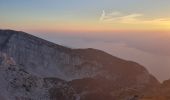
x,y
37,69
18,84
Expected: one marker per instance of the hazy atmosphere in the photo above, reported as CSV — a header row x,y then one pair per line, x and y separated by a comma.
x,y
151,51
137,30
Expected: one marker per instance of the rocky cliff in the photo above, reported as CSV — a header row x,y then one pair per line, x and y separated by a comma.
x,y
35,69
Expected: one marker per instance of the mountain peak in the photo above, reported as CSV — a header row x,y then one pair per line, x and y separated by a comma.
x,y
6,35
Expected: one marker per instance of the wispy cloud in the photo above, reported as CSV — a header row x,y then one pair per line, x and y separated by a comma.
x,y
132,18
110,16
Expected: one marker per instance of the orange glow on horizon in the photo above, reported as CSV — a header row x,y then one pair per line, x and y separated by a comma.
x,y
88,26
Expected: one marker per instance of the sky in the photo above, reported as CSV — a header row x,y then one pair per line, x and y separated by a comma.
x,y
85,15
137,30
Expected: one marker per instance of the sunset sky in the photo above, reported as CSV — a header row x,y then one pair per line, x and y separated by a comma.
x,y
85,15
137,30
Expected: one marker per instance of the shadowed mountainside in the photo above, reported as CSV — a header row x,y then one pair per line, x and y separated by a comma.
x,y
36,68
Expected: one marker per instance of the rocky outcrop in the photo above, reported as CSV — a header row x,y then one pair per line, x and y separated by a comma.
x,y
17,84
41,69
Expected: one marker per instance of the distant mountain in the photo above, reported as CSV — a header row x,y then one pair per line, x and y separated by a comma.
x,y
35,69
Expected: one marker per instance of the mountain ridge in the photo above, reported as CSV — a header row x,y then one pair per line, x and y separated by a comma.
x,y
46,60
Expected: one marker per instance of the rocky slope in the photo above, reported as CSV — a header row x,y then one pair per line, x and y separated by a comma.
x,y
17,84
161,92
35,69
